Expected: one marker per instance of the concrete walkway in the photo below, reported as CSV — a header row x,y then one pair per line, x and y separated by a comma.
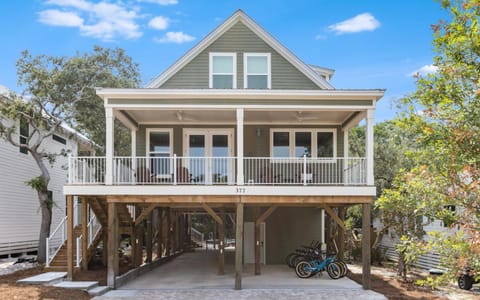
x,y
194,276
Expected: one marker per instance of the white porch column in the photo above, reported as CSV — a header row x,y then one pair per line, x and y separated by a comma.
x,y
133,152
369,146
240,113
109,119
346,147
346,144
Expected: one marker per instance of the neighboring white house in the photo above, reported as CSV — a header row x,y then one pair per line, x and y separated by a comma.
x,y
19,208
427,261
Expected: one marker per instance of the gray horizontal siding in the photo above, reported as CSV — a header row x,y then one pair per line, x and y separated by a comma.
x,y
255,146
239,39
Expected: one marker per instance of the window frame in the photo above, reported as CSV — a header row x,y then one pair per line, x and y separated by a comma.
x,y
210,67
59,139
170,142
23,139
245,68
313,132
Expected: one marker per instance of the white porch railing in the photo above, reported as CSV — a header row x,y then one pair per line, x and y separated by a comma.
x,y
221,170
304,171
86,170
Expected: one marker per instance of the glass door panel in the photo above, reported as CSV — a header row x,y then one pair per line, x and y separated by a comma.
x,y
210,155
196,153
220,158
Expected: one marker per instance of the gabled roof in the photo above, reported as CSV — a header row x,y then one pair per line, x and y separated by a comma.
x,y
240,16
326,72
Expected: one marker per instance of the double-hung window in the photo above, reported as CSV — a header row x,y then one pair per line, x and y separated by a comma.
x,y
319,143
223,70
159,143
24,133
257,70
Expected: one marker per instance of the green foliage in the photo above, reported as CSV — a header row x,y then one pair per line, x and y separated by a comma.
x,y
392,146
447,132
391,149
68,84
37,183
407,207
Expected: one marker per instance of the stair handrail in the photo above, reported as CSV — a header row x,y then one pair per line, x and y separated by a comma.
x,y
61,225
92,233
91,237
79,250
199,236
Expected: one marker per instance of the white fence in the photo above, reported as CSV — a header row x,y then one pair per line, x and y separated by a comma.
x,y
220,170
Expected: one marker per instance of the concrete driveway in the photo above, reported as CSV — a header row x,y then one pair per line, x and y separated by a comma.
x,y
194,275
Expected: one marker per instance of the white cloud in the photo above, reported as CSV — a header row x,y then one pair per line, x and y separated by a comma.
x,y
78,4
319,37
159,23
359,23
175,37
55,17
161,2
426,69
103,20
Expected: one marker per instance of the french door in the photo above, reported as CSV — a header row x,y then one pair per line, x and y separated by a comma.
x,y
209,155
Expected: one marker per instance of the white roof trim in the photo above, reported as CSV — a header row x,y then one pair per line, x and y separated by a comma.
x,y
323,71
238,16
237,93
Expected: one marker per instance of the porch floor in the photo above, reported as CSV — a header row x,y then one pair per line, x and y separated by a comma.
x,y
198,270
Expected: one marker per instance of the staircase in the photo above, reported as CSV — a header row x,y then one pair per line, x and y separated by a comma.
x,y
99,208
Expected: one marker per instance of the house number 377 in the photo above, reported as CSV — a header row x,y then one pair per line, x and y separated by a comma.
x,y
241,190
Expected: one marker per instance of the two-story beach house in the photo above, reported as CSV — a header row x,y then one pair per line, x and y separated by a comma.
x,y
240,125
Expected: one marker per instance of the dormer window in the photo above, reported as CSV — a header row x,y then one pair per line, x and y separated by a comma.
x,y
257,71
223,70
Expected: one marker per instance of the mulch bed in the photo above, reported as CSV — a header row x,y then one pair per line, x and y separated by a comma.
x,y
395,289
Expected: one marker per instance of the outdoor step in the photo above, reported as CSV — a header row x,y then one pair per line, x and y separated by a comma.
x,y
45,278
98,291
83,285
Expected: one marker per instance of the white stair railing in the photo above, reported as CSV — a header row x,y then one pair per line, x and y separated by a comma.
x,y
55,241
93,229
79,251
197,236
58,237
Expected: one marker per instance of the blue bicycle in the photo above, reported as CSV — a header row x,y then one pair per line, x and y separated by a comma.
x,y
306,269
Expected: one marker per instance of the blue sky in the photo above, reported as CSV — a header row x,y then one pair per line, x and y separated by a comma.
x,y
370,43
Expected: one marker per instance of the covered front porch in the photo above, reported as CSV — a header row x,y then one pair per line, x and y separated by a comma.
x,y
233,137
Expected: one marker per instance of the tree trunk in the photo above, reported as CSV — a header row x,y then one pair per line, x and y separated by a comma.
x,y
402,267
45,207
46,210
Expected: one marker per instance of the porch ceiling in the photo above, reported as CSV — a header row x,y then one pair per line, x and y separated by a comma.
x,y
210,116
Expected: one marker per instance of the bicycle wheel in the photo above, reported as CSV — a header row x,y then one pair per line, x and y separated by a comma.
x,y
303,269
298,259
344,267
289,259
334,270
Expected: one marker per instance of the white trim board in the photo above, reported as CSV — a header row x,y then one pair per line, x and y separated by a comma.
x,y
194,190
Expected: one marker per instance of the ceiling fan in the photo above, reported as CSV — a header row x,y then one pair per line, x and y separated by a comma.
x,y
180,114
301,117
